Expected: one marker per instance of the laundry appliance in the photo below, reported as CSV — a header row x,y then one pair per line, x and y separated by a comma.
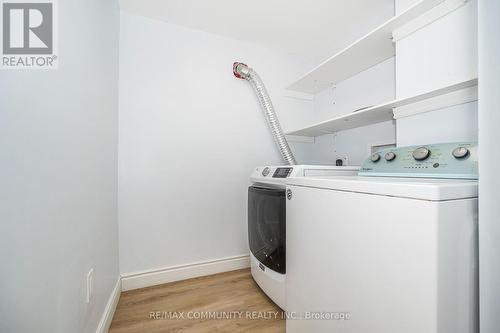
x,y
267,222
391,250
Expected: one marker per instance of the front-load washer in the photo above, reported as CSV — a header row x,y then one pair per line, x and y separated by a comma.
x,y
391,250
267,222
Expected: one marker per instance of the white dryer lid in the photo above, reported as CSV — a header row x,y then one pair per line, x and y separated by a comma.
x,y
414,188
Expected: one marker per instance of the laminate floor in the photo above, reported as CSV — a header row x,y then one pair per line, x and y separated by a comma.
x,y
226,302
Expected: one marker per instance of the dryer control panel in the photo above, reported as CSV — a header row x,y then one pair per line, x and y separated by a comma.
x,y
457,160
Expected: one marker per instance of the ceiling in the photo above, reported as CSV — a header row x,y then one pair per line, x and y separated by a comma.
x,y
311,29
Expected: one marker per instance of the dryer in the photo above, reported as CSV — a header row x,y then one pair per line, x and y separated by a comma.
x,y
391,250
267,222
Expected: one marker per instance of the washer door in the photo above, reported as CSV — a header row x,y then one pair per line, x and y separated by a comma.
x,y
267,226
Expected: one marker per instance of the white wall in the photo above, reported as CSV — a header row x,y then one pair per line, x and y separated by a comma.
x,y
58,183
453,124
370,87
352,146
190,134
356,143
489,182
441,53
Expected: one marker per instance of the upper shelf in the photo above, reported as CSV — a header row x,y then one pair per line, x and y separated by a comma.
x,y
375,114
364,53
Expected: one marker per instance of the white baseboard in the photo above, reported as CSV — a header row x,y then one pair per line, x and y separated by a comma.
x,y
164,275
176,273
110,308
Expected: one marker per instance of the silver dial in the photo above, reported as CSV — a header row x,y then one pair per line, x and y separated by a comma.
x,y
375,157
266,171
460,152
421,153
390,156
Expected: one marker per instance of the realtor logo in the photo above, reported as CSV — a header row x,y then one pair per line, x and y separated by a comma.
x,y
28,31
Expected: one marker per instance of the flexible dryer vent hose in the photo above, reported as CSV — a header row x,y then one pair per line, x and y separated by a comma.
x,y
242,71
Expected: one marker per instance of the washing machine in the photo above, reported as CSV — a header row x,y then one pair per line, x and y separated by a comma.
x,y
267,222
391,250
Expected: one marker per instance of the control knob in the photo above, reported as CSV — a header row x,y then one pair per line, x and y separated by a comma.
x,y
460,152
390,156
421,153
266,171
375,157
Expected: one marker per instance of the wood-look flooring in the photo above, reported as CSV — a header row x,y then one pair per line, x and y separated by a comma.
x,y
160,308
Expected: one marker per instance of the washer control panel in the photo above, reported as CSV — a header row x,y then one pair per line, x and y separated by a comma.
x,y
445,160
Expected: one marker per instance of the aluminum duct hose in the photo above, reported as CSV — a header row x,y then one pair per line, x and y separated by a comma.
x,y
242,71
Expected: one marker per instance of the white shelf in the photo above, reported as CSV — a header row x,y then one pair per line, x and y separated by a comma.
x,y
364,53
375,114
